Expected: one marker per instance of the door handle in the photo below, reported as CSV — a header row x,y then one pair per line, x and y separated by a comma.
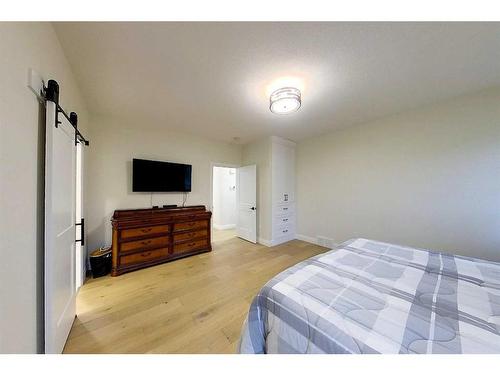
x,y
82,232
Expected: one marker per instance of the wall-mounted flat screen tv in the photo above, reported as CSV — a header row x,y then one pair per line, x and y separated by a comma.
x,y
158,176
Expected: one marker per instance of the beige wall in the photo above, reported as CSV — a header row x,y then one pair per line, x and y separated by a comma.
x,y
427,178
115,143
24,46
259,153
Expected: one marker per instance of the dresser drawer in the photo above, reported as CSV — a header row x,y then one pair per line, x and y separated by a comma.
x,y
144,231
145,256
190,225
186,236
193,217
144,244
192,245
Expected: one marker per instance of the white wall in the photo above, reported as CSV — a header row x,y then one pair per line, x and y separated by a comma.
x,y
224,198
115,142
22,130
259,153
427,178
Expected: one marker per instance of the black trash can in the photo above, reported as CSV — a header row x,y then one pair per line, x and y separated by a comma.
x,y
100,262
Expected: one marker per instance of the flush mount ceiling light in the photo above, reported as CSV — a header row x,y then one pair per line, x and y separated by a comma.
x,y
285,100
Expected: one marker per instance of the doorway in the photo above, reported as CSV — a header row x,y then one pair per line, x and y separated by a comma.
x,y
224,210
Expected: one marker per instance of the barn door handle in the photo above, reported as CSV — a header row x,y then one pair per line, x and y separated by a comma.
x,y
82,232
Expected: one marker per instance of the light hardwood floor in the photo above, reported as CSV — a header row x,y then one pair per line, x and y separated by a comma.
x,y
223,235
192,305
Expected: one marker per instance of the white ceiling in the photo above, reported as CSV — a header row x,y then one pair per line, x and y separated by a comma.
x,y
214,79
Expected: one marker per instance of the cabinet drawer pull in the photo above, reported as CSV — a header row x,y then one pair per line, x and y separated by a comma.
x,y
285,208
192,244
146,254
146,242
286,230
285,219
146,230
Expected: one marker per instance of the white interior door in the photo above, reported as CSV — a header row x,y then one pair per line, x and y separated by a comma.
x,y
246,197
60,181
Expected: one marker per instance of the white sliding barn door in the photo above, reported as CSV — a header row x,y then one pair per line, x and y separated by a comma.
x,y
60,186
80,249
246,198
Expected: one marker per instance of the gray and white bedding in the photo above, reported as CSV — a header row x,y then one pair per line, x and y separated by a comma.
x,y
374,297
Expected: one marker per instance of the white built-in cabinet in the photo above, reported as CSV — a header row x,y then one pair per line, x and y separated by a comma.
x,y
283,190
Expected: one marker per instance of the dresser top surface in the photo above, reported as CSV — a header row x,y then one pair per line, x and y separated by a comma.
x,y
151,213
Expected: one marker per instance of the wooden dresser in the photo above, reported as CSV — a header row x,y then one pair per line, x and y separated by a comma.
x,y
145,237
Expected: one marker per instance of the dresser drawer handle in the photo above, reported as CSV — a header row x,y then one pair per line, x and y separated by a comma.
x,y
286,230
285,219
146,254
146,242
146,230
285,208
192,244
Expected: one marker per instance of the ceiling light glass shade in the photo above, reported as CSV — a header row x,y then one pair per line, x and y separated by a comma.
x,y
285,100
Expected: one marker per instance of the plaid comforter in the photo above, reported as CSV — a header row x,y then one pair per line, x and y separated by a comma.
x,y
373,297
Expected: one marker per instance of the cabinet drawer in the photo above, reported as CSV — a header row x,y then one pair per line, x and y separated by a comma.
x,y
287,208
190,225
144,231
285,229
284,219
186,236
144,256
144,244
192,245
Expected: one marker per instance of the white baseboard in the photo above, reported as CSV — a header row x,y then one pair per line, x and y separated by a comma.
x,y
305,238
264,242
224,227
271,243
315,241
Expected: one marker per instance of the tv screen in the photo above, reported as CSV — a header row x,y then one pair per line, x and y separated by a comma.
x,y
158,176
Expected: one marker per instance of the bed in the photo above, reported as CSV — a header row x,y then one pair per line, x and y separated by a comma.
x,y
373,297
